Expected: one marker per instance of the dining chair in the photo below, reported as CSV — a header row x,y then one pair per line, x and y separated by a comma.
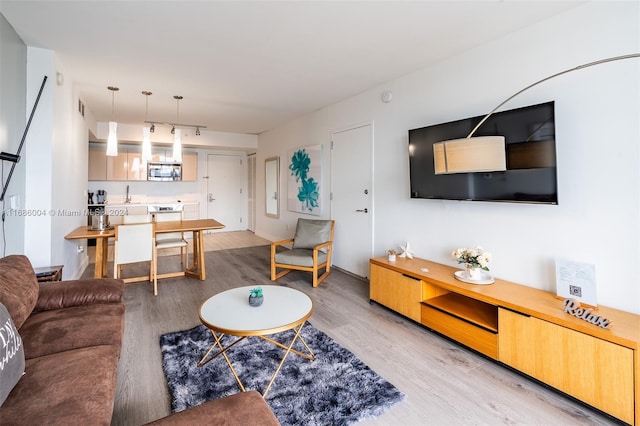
x,y
136,218
311,250
170,239
134,244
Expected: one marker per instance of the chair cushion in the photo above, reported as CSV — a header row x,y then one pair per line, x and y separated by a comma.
x,y
311,232
18,287
11,354
299,257
172,242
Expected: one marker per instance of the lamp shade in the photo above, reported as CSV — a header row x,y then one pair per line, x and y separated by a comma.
x,y
177,147
112,141
146,144
467,155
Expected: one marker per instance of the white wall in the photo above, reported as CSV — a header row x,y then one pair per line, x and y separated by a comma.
x,y
13,65
56,166
306,131
597,134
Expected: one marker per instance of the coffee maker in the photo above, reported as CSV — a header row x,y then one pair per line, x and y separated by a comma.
x,y
101,196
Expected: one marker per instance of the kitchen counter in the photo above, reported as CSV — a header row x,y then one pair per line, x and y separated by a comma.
x,y
115,211
143,203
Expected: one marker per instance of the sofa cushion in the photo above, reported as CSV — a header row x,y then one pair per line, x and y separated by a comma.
x,y
18,287
68,388
48,332
11,354
240,409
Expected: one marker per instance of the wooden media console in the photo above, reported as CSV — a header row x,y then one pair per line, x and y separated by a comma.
x,y
522,327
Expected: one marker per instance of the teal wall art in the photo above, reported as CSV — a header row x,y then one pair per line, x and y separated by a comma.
x,y
305,180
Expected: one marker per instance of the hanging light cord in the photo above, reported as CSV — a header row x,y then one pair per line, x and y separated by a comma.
x,y
177,98
113,100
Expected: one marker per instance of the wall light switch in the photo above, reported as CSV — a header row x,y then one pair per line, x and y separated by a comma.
x,y
13,202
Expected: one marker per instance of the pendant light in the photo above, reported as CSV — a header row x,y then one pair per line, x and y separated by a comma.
x,y
177,141
112,141
146,131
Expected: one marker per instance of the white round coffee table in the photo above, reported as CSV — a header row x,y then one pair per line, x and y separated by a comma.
x,y
229,313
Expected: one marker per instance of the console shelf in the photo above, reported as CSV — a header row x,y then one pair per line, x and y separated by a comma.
x,y
478,313
522,327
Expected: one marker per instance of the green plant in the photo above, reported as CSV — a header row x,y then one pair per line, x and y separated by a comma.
x,y
255,292
391,251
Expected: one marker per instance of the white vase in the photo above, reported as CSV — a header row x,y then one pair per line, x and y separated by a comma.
x,y
392,258
474,273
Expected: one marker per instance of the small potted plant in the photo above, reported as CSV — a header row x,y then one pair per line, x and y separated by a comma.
x,y
255,296
391,255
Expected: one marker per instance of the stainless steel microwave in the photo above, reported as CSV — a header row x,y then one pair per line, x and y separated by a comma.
x,y
164,171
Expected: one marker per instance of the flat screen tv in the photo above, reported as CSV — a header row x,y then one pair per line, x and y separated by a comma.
x,y
530,157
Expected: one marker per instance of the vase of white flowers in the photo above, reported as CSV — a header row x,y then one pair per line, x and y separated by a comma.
x,y
475,261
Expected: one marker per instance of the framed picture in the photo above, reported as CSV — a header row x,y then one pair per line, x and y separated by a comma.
x,y
305,180
576,280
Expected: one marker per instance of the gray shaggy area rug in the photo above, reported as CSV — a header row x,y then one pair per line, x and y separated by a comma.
x,y
336,388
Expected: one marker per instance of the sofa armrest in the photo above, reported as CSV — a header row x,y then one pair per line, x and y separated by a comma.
x,y
240,409
65,294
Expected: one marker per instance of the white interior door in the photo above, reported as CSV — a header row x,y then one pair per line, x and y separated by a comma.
x,y
351,206
224,191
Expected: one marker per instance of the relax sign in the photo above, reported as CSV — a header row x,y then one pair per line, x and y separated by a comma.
x,y
572,307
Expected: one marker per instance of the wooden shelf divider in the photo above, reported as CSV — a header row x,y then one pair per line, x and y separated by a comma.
x,y
471,310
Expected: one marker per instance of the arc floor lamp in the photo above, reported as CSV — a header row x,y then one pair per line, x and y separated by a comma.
x,y
487,153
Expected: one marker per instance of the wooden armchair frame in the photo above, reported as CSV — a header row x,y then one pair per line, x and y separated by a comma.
x,y
314,269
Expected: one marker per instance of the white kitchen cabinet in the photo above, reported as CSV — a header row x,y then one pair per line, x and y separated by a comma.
x,y
189,166
117,166
136,168
97,162
128,164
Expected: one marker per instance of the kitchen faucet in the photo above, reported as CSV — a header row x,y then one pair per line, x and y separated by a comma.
x,y
127,199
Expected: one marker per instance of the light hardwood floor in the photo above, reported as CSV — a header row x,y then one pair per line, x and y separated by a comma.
x,y
445,384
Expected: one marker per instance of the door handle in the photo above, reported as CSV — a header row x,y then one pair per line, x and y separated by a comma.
x,y
365,210
211,197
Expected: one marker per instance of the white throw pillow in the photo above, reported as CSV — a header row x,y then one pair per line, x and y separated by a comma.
x,y
11,354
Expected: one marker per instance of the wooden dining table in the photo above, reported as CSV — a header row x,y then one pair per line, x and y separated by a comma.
x,y
195,226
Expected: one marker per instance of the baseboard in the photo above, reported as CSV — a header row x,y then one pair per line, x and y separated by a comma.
x,y
81,268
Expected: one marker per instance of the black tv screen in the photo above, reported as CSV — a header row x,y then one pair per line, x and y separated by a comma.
x,y
530,159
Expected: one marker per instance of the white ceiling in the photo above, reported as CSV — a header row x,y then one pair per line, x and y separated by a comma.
x,y
246,66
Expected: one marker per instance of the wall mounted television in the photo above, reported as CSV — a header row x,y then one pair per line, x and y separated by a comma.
x,y
530,152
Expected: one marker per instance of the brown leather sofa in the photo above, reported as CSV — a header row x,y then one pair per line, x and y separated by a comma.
x,y
72,333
